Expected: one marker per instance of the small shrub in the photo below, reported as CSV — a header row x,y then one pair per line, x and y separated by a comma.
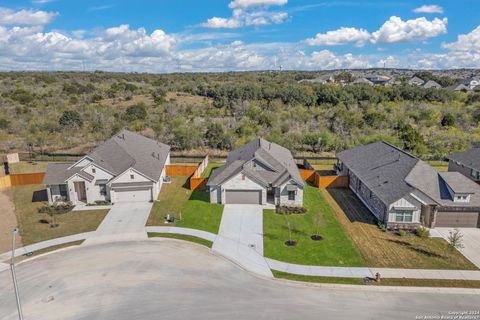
x,y
422,232
382,227
290,210
402,233
100,203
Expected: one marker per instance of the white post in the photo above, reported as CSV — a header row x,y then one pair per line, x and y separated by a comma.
x,y
14,276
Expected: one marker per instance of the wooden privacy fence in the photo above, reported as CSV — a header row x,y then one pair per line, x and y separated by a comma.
x,y
19,179
194,172
309,174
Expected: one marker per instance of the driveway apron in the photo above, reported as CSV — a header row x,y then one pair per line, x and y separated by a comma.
x,y
471,242
125,221
240,237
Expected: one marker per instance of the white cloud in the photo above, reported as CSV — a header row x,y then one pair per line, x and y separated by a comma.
x,y
339,37
397,30
392,31
248,13
244,4
42,1
431,8
25,17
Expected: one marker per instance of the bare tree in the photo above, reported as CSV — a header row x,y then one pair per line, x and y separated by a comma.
x,y
318,220
455,239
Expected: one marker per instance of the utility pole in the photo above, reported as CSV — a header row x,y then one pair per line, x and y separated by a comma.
x,y
14,276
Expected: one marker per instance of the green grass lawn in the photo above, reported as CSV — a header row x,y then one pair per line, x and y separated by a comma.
x,y
28,167
32,224
208,170
193,209
181,237
336,248
384,282
439,165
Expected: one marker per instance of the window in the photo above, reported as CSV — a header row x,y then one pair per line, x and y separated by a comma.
x,y
94,170
132,176
291,195
103,189
63,190
475,174
403,216
243,177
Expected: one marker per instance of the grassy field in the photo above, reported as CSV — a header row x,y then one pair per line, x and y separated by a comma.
x,y
28,167
33,226
382,249
336,248
181,237
193,209
384,282
208,170
439,165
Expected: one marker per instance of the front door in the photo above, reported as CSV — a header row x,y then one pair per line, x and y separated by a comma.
x,y
80,191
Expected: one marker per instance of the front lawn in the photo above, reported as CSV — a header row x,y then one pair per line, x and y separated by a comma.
x,y
192,209
34,226
336,248
386,250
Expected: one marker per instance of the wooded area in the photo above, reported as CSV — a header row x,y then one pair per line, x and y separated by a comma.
x,y
212,113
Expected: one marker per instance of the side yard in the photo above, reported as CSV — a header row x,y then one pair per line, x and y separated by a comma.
x,y
191,208
386,250
28,167
336,248
34,226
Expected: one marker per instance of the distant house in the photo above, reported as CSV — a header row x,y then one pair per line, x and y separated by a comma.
x,y
459,87
259,172
126,168
431,84
403,191
326,78
415,81
473,82
362,81
378,79
467,163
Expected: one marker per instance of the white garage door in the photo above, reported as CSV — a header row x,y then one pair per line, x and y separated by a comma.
x,y
133,195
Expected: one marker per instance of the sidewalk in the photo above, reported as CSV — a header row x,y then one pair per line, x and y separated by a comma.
x,y
185,231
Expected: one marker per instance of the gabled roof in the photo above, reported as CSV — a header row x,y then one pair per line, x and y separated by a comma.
x,y
469,158
416,80
278,158
123,151
431,84
391,173
382,167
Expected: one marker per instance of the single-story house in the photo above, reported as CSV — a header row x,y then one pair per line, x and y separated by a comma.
x,y
259,172
415,81
363,81
460,87
126,168
467,163
405,192
431,84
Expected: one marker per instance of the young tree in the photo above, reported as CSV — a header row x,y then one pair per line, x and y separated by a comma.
x,y
318,221
455,239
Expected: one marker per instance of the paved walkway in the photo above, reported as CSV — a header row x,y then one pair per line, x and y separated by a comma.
x,y
83,207
125,221
471,242
186,231
341,272
4,266
240,237
45,244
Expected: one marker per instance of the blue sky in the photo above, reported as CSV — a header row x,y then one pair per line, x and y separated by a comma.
x,y
214,35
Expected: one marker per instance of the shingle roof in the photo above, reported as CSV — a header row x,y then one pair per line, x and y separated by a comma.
x,y
273,155
391,173
382,167
431,84
123,151
470,158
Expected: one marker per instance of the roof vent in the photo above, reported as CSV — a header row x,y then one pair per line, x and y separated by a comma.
x,y
158,156
153,154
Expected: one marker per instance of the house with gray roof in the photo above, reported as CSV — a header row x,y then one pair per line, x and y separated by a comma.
x,y
260,172
431,84
467,163
402,191
126,168
415,81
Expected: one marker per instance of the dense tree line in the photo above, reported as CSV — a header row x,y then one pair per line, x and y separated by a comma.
x,y
73,111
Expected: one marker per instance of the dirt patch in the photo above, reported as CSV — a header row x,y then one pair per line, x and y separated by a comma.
x,y
8,221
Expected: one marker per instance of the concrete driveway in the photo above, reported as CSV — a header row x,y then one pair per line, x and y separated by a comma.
x,y
170,279
240,237
125,221
471,242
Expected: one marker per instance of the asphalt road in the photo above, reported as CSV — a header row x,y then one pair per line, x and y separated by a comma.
x,y
178,280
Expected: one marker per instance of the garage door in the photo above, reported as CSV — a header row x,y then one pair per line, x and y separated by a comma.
x,y
457,219
243,196
133,195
